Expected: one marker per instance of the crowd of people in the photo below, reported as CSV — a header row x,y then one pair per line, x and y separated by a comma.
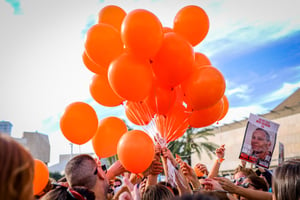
x,y
86,178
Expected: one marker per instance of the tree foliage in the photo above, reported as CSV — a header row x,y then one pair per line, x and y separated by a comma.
x,y
186,145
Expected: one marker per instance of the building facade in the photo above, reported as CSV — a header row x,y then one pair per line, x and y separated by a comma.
x,y
287,114
37,143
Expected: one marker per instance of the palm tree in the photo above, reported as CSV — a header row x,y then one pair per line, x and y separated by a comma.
x,y
186,145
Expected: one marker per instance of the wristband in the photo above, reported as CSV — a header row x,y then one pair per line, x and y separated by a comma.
x,y
220,160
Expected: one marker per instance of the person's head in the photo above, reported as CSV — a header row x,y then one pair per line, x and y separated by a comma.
x,y
117,185
63,192
174,190
117,182
286,181
254,182
157,192
215,194
240,173
260,142
196,196
16,170
82,170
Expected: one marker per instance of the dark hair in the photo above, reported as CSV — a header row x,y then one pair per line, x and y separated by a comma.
x,y
267,174
266,133
157,191
79,171
196,196
258,182
174,189
62,192
286,180
216,194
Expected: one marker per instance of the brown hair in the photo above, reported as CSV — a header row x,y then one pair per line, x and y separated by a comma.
x,y
16,170
80,170
258,183
244,170
286,181
157,192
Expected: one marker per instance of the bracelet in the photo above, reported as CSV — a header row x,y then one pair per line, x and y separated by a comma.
x,y
220,160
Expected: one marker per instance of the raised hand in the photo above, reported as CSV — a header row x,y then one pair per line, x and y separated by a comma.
x,y
202,168
220,152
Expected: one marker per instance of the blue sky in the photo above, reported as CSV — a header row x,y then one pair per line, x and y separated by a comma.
x,y
255,44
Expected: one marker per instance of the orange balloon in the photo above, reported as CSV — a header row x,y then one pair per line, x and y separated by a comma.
x,y
79,122
103,44
41,176
167,29
192,23
92,66
198,172
174,61
225,107
102,92
201,59
130,77
160,99
108,134
206,116
204,88
142,33
112,15
174,124
138,113
135,151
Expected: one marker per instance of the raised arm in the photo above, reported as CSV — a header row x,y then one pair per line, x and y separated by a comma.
x,y
220,153
245,192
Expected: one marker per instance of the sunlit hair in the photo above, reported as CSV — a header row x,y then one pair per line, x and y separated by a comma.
x,y
244,170
79,171
157,192
16,170
286,181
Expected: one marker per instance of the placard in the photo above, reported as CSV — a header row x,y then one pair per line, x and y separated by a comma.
x,y
259,141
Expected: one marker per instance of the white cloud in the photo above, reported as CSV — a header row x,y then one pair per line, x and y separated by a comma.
x,y
41,68
286,90
250,23
242,112
240,92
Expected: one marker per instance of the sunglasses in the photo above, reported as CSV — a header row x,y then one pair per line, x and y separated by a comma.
x,y
103,167
239,180
246,185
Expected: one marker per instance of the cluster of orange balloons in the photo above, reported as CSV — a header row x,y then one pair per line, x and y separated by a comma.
x,y
152,70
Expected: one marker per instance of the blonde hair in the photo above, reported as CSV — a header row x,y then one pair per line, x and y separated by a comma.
x,y
16,170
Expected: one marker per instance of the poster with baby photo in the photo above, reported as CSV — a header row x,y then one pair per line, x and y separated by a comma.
x,y
259,141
